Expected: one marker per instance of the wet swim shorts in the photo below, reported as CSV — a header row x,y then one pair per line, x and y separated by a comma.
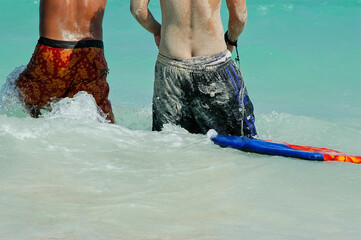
x,y
60,69
202,93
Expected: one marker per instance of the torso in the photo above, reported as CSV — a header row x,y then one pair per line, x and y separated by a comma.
x,y
191,28
72,20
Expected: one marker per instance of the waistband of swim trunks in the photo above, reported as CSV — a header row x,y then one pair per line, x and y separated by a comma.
x,y
70,44
196,62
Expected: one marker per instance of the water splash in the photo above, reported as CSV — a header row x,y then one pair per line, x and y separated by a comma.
x,y
9,97
81,106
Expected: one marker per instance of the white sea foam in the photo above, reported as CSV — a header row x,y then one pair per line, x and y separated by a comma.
x,y
114,178
288,7
9,96
81,106
263,9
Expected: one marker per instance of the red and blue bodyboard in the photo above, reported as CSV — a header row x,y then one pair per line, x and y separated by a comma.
x,y
283,149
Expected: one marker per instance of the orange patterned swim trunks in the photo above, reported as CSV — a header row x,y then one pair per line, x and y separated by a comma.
x,y
60,69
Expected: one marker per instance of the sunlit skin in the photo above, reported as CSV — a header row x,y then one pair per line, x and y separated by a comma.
x,y
71,20
191,28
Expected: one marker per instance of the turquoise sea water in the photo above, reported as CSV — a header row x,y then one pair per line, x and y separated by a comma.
x,y
70,176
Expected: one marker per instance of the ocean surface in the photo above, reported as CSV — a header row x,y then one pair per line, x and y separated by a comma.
x,y
70,175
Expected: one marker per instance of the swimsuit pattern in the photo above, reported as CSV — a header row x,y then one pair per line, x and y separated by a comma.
x,y
55,73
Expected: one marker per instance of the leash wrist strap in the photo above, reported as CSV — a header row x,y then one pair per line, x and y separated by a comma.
x,y
229,42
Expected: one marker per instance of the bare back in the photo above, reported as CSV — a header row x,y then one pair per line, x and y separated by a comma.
x,y
72,20
191,28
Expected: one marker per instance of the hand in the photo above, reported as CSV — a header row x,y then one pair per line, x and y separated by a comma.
x,y
157,40
230,47
230,44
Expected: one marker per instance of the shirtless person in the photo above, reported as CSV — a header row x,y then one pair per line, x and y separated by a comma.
x,y
69,56
197,84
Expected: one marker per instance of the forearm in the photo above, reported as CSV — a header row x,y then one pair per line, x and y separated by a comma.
x,y
141,13
237,18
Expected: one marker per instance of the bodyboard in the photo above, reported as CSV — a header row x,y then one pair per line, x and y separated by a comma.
x,y
283,149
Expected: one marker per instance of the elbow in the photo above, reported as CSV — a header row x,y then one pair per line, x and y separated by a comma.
x,y
238,18
242,17
133,10
137,12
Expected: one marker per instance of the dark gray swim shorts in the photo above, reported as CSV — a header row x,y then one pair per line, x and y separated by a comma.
x,y
202,93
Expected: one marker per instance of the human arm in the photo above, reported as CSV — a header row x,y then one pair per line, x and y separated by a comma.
x,y
140,11
237,20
